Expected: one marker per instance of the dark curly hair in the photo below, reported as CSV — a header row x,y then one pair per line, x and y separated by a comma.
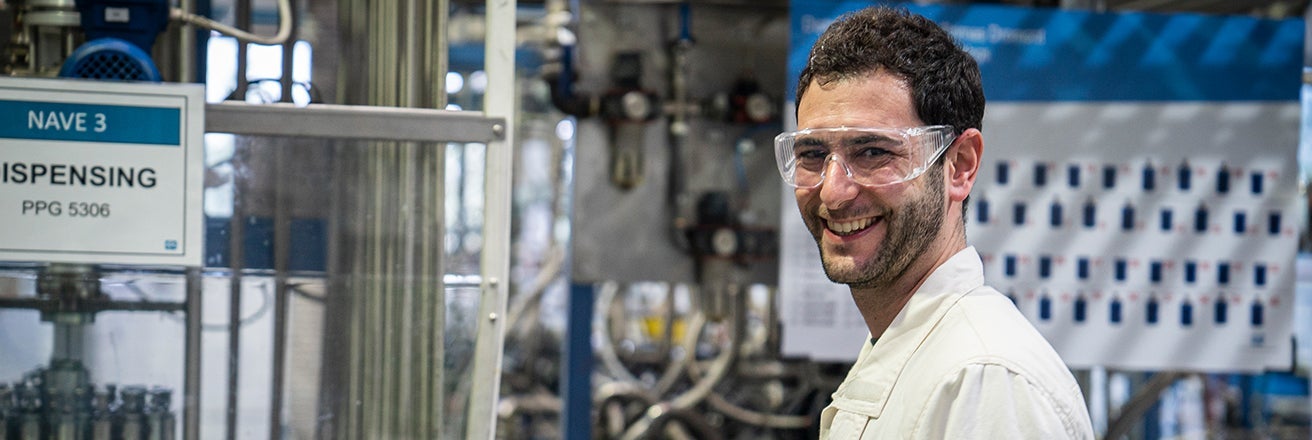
x,y
944,79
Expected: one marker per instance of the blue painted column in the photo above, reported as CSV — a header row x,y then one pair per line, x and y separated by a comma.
x,y
576,373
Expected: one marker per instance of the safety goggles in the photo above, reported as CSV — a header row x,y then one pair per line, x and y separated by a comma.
x,y
868,156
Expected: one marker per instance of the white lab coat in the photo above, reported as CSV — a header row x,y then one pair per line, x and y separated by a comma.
x,y
958,362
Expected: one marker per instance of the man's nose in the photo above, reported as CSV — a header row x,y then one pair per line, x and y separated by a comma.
x,y
837,187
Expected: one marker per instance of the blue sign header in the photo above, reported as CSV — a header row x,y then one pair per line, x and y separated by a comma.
x,y
1037,54
58,121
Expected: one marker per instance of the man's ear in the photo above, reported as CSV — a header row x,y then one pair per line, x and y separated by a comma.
x,y
962,163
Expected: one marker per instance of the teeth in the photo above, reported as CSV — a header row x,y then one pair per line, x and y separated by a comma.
x,y
844,228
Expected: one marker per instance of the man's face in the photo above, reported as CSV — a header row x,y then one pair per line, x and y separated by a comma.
x,y
868,236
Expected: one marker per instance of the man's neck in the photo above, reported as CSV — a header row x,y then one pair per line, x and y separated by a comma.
x,y
881,305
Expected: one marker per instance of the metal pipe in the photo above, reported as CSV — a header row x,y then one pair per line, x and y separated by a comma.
x,y
236,259
390,18
242,16
386,280
411,62
679,126
357,295
437,48
395,361
403,291
186,44
68,341
430,413
399,283
281,255
365,296
413,21
288,55
191,380
375,294
91,305
335,385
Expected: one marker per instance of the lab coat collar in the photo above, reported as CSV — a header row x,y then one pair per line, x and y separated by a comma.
x,y
878,367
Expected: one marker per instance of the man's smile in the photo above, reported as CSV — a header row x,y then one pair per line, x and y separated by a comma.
x,y
851,227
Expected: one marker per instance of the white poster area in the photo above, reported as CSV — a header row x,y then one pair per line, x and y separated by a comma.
x,y
1135,235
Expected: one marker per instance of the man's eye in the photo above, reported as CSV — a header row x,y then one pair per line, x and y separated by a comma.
x,y
872,153
812,154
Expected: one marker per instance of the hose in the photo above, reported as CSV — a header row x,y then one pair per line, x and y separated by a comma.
x,y
678,407
284,25
601,325
551,267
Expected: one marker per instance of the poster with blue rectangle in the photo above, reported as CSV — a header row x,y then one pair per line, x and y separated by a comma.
x,y
1138,198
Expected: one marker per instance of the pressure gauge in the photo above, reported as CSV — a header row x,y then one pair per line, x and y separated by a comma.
x,y
758,108
636,106
724,242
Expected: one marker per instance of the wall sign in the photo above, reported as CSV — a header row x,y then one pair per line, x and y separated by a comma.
x,y
101,172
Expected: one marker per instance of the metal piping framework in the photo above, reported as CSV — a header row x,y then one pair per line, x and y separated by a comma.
x,y
361,122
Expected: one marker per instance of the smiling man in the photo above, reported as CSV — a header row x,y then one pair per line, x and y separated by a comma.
x,y
887,149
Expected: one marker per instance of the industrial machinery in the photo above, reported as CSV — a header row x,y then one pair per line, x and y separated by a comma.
x,y
59,400
366,271
120,344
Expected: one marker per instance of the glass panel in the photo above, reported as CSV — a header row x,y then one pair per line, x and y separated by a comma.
x,y
377,288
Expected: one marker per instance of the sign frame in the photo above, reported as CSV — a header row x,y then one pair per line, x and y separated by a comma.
x,y
117,169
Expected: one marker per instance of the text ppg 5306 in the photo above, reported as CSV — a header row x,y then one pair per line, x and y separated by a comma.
x,y
65,208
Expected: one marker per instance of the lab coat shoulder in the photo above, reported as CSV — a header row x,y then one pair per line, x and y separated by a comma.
x,y
994,376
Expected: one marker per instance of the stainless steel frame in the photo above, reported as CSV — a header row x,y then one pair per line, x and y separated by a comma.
x,y
359,122
408,124
499,102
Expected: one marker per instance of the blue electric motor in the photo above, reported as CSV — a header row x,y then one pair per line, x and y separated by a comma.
x,y
120,35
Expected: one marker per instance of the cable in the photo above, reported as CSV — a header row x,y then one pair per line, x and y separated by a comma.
x,y
264,306
284,25
296,289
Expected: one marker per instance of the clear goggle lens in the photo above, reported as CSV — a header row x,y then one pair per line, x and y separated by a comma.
x,y
868,156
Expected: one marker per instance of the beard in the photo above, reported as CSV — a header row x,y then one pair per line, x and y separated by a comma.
x,y
910,229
